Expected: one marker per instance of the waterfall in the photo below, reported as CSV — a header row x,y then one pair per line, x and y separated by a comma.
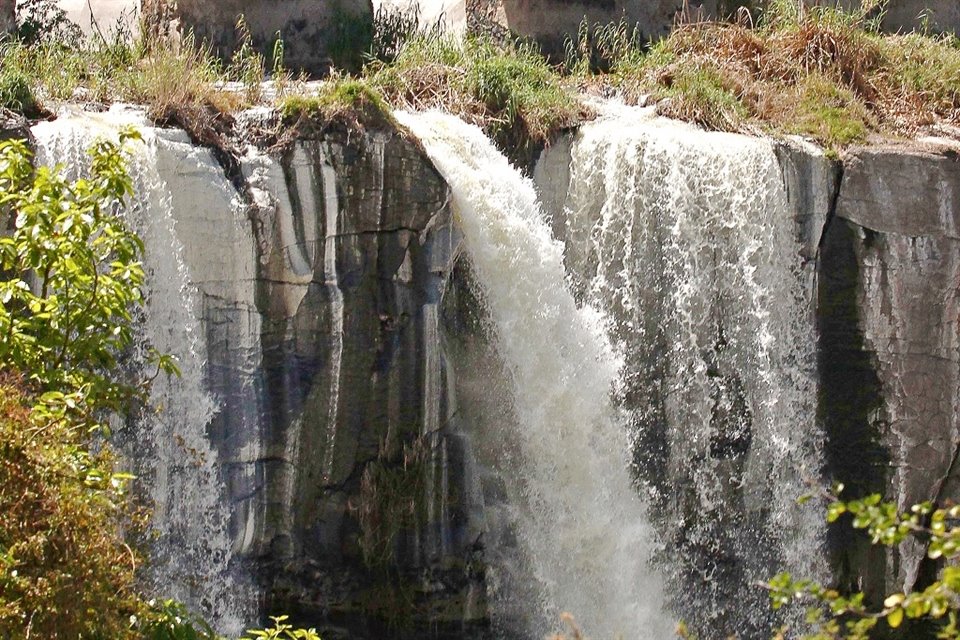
x,y
687,240
580,520
174,462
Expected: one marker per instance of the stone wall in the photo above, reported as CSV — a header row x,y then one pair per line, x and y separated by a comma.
x,y
8,17
312,30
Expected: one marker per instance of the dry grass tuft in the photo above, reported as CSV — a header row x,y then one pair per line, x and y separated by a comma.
x,y
815,71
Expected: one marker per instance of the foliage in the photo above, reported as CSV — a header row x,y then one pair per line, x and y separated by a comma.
x,y
598,47
166,77
65,571
73,277
701,93
393,28
826,111
511,91
44,21
70,279
247,65
16,94
835,615
170,620
282,631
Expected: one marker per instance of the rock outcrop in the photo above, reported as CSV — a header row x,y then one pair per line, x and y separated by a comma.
x,y
932,16
890,338
8,16
319,287
313,31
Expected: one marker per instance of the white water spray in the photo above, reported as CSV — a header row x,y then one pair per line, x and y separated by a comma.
x,y
686,238
582,524
177,467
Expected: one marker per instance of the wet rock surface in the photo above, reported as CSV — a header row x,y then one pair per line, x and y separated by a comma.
x,y
347,352
876,237
320,298
891,255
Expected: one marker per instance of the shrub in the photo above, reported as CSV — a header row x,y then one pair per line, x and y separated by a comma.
x,y
65,571
833,615
70,279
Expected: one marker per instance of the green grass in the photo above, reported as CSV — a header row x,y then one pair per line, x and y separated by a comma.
x,y
16,93
511,91
349,100
826,112
817,72
701,93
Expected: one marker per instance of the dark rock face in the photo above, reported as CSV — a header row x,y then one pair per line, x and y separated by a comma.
x,y
876,238
349,484
890,272
347,350
357,394
363,523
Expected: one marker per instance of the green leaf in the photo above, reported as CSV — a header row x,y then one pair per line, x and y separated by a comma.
x,y
894,618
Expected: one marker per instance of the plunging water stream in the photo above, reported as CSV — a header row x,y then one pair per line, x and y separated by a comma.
x,y
582,524
687,239
169,445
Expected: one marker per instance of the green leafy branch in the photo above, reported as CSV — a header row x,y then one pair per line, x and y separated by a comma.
x,y
840,616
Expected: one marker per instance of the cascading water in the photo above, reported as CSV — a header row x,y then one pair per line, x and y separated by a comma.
x,y
685,238
580,520
191,559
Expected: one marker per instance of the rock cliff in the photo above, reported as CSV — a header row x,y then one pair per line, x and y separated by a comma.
x,y
347,353
319,288
876,263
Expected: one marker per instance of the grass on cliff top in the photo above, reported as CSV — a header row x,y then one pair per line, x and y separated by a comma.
x,y
815,71
509,90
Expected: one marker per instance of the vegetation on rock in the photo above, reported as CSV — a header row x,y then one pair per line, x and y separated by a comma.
x,y
71,279
832,615
509,90
786,68
811,70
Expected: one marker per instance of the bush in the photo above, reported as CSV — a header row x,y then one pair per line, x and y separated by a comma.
x,y
835,616
70,279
